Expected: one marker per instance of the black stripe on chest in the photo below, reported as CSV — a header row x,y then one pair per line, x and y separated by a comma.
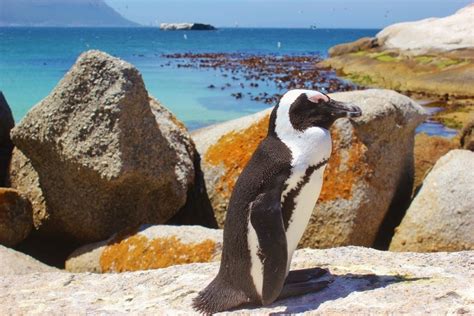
x,y
289,204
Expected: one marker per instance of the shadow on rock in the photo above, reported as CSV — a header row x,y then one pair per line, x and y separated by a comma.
x,y
341,287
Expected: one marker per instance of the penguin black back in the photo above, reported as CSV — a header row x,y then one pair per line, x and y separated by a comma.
x,y
270,158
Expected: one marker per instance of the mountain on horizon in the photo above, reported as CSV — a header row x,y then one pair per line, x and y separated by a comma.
x,y
60,13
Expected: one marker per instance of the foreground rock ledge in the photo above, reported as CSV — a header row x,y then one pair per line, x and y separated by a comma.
x,y
366,281
13,262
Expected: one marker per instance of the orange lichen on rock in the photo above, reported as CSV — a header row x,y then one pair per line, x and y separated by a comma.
x,y
427,151
137,252
233,150
343,171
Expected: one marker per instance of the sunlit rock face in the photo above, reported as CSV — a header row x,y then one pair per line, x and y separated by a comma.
x,y
148,247
107,156
372,159
440,218
365,281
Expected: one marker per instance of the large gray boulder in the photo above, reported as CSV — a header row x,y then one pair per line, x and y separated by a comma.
x,y
6,145
14,263
366,282
107,155
441,217
370,169
148,247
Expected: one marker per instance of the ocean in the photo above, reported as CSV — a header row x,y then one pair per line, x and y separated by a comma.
x,y
33,60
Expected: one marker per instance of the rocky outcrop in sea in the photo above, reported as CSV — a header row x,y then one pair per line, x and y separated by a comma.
x,y
186,27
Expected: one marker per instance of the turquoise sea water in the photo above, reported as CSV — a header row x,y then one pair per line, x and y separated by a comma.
x,y
33,60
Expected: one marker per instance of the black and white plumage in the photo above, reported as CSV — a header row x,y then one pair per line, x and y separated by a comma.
x,y
272,202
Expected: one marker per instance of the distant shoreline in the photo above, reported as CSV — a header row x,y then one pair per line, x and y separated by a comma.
x,y
158,28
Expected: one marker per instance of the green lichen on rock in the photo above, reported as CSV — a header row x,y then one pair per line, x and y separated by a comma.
x,y
385,56
430,58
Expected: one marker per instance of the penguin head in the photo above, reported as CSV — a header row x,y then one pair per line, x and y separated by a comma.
x,y
308,108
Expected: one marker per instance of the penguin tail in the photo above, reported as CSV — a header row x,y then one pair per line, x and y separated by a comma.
x,y
217,297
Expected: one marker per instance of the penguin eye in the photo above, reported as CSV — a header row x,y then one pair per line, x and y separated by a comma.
x,y
319,98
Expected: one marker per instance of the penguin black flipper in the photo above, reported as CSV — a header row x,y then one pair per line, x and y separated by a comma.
x,y
267,220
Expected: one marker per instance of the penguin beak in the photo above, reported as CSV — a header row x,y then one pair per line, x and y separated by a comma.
x,y
341,109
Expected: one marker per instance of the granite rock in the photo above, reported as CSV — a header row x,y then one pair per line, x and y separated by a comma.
x,y
371,166
107,155
23,177
6,146
441,217
361,44
148,247
14,263
432,34
467,136
428,149
16,217
431,59
366,281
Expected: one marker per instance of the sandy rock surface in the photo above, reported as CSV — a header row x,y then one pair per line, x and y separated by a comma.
x,y
366,281
14,263
149,247
441,217
107,155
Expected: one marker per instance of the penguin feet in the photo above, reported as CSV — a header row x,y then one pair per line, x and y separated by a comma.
x,y
302,275
301,282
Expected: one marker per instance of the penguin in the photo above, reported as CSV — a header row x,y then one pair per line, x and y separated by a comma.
x,y
271,205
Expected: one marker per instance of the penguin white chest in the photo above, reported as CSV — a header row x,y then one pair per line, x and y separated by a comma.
x,y
310,153
304,201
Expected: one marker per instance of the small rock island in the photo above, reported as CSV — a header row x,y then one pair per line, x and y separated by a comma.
x,y
186,27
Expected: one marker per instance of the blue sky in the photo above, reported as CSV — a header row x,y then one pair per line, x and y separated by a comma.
x,y
286,13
